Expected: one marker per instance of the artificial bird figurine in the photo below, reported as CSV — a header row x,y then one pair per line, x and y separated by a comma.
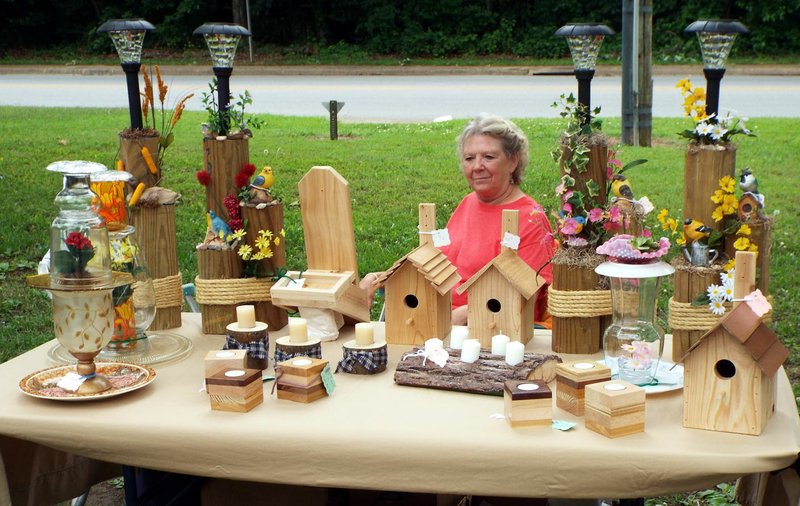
x,y
748,182
621,187
259,188
695,230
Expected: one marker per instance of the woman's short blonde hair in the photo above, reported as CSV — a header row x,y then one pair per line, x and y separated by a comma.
x,y
513,140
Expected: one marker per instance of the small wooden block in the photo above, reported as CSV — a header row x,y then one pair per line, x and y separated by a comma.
x,y
528,403
221,360
300,371
571,381
615,408
301,394
237,390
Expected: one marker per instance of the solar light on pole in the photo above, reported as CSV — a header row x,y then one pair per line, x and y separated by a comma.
x,y
128,37
716,39
222,40
584,40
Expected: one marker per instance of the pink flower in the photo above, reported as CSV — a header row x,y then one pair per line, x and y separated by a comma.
x,y
567,208
571,226
615,215
561,188
595,215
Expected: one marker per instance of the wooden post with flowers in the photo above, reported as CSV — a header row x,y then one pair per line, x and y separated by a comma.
x,y
576,300
152,206
223,158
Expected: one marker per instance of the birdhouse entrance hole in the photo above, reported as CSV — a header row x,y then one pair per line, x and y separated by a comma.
x,y
411,301
725,369
493,305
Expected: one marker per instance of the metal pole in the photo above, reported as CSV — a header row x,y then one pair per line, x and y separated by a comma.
x,y
333,108
134,106
223,95
249,37
628,62
584,78
645,109
713,77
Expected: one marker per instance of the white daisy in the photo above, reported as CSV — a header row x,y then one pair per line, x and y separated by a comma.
x,y
727,277
717,132
714,292
727,292
717,307
704,128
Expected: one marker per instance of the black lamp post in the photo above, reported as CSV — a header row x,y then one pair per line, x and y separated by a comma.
x,y
584,40
222,40
128,37
716,40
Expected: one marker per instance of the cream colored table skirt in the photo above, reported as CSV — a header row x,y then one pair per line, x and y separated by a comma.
x,y
373,434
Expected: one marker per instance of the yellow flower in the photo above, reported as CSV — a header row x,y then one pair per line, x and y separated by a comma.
x,y
239,234
741,244
258,256
681,240
753,247
244,251
727,184
717,214
743,230
267,253
672,225
699,93
277,241
662,215
265,233
262,243
718,196
729,204
283,233
730,265
685,86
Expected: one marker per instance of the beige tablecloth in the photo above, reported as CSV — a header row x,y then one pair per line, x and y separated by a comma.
x,y
374,434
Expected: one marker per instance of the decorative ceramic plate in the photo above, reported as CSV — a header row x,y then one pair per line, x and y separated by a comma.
x,y
123,377
667,380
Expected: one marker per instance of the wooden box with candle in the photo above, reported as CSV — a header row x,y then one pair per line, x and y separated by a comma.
x,y
571,381
222,360
615,408
300,379
235,390
528,403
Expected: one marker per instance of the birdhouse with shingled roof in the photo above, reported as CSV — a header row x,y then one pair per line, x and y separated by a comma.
x,y
502,295
730,372
418,289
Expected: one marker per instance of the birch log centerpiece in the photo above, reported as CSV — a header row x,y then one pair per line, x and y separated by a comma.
x,y
487,375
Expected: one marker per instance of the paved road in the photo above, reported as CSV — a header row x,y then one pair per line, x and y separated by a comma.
x,y
406,97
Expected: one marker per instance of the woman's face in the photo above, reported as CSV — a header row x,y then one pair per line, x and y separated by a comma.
x,y
487,167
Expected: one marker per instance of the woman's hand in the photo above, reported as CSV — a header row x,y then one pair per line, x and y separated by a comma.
x,y
369,284
459,316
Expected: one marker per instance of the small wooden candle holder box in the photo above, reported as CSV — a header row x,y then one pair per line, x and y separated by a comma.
x,y
222,360
571,381
528,403
235,390
615,408
300,379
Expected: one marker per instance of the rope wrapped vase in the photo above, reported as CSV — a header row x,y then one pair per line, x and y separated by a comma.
x,y
220,290
580,309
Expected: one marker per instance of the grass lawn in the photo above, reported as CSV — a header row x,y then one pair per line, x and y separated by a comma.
x,y
390,167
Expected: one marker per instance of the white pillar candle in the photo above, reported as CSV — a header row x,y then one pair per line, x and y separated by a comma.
x,y
433,344
364,334
298,330
457,337
246,316
499,343
515,353
470,350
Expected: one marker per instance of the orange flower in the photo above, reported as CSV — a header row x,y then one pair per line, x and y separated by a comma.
x,y
162,88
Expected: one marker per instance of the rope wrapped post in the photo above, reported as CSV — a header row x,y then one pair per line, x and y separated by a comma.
x,y
579,309
156,232
687,322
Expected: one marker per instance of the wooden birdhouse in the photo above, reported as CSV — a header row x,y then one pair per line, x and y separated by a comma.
x,y
729,374
418,290
502,295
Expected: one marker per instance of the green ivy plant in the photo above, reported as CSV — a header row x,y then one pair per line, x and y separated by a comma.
x,y
577,133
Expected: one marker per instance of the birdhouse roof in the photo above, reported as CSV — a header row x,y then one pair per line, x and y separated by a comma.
x,y
432,264
519,274
743,324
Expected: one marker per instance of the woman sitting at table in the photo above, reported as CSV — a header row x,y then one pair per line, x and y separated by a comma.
x,y
493,153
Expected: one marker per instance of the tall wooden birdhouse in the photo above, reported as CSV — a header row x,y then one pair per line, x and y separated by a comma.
x,y
418,297
502,295
729,374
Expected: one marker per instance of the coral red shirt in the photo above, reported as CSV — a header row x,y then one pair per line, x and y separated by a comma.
x,y
475,233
